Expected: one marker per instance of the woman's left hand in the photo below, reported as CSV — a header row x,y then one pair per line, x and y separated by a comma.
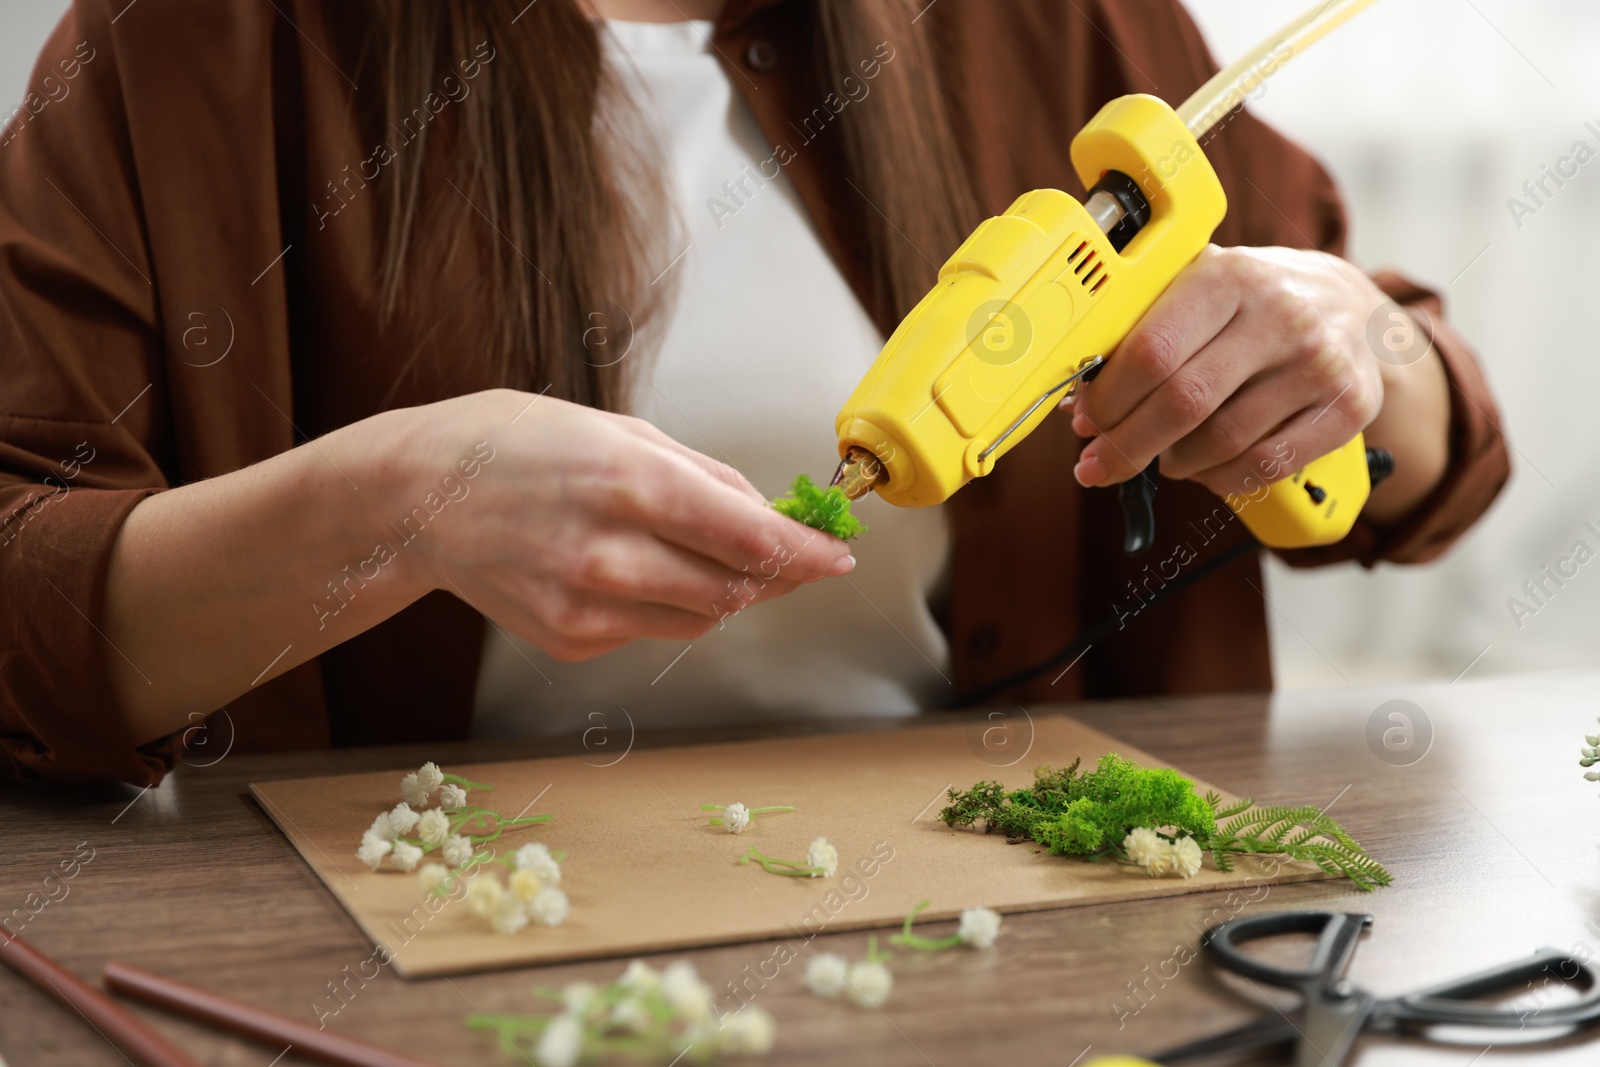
x,y
1254,355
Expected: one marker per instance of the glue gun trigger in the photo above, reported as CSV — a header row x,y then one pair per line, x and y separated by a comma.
x,y
1137,497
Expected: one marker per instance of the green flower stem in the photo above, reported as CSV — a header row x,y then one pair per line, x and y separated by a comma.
x,y
717,820
490,824
784,867
910,940
873,955
510,1025
468,785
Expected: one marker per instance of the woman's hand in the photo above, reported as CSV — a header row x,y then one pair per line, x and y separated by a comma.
x,y
587,530
1252,353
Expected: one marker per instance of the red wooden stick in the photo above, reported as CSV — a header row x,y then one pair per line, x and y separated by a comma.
x,y
127,1035
248,1021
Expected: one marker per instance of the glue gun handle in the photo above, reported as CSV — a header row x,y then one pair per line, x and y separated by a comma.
x,y
1137,497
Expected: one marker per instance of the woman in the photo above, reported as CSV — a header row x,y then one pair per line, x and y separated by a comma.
x,y
323,318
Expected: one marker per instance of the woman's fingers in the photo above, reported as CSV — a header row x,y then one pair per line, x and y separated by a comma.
x,y
1311,433
1196,308
573,624
691,508
603,530
1172,411
632,566
723,472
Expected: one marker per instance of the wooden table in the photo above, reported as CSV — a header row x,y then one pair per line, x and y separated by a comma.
x,y
1492,837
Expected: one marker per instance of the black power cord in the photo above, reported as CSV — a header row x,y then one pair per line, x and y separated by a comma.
x,y
1380,464
1103,629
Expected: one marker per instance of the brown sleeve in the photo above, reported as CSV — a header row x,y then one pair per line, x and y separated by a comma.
x,y
82,409
1279,195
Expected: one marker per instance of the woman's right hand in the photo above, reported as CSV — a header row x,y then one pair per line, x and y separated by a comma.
x,y
584,530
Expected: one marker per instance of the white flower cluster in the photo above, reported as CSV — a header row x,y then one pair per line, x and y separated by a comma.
x,y
405,833
411,830
822,858
868,982
671,1008
735,817
979,927
529,894
1158,856
403,836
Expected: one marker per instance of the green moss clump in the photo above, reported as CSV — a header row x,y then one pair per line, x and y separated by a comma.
x,y
1075,813
827,510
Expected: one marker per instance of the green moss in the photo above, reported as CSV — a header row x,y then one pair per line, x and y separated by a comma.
x,y
822,509
1090,813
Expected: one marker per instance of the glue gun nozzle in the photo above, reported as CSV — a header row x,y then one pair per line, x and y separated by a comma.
x,y
859,473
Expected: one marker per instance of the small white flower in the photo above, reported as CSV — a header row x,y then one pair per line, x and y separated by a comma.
x,y
1148,849
631,1015
869,983
411,791
452,797
430,777
549,907
735,817
536,858
748,1032
406,856
432,876
578,996
483,895
640,977
561,1043
979,927
1186,857
433,826
1590,752
525,884
383,826
824,855
508,914
402,819
373,849
682,988
826,974
456,850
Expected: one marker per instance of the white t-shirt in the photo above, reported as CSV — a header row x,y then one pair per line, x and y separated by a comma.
x,y
763,346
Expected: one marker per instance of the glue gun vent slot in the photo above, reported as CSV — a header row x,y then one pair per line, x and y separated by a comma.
x,y
1096,270
1088,259
1077,252
1099,284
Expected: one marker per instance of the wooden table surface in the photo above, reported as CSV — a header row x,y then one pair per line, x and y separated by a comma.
x,y
1492,837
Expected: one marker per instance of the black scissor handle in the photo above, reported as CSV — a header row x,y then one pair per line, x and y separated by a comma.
x,y
1453,1002
1337,935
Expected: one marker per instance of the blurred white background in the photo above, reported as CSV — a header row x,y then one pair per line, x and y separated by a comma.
x,y
1431,113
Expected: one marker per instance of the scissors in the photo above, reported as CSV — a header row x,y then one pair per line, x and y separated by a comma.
x,y
1334,1011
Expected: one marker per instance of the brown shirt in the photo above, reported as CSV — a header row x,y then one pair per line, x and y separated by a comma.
x,y
173,306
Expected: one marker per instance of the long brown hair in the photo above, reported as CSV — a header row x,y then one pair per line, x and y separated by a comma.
x,y
547,151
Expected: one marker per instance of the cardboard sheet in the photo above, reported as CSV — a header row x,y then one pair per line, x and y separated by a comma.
x,y
645,873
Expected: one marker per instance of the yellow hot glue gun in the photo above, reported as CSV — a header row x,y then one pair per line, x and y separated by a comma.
x,y
1035,299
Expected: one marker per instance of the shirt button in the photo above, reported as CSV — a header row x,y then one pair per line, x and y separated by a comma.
x,y
761,55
